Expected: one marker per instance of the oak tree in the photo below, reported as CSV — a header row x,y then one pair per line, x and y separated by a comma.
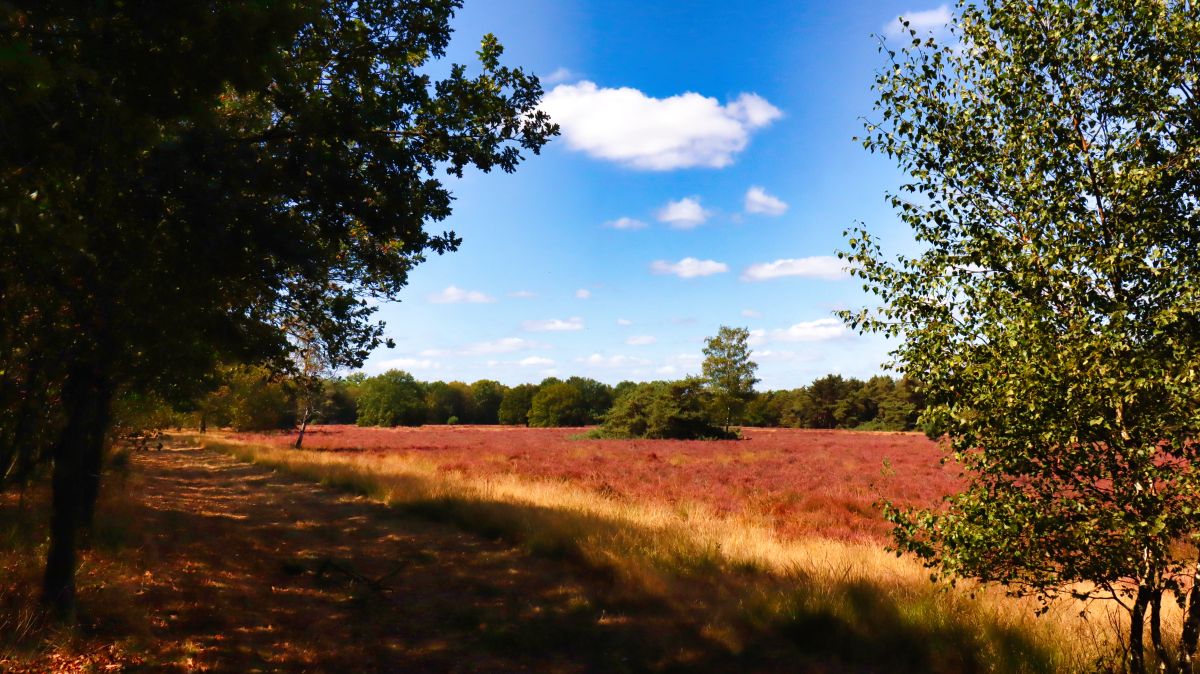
x,y
178,180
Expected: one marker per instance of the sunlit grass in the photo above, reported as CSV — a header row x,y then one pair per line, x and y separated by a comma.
x,y
757,594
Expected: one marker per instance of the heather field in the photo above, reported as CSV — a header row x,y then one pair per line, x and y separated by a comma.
x,y
798,482
770,547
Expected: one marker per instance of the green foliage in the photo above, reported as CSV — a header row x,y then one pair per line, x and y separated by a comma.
x,y
179,187
664,410
443,401
729,371
393,398
488,396
596,397
248,398
1053,309
622,388
515,406
339,402
558,404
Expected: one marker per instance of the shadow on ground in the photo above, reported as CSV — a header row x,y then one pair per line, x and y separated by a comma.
x,y
249,570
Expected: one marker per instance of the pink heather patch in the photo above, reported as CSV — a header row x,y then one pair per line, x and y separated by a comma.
x,y
805,482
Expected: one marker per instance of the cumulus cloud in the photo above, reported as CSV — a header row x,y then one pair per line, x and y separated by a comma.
x,y
758,201
624,321
625,223
626,126
808,331
825,267
751,313
641,340
689,267
683,214
554,325
535,361
504,345
456,295
924,21
583,294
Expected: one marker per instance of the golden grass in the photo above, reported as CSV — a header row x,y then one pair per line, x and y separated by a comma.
x,y
830,601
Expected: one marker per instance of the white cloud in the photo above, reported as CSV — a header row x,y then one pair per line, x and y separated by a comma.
x,y
683,214
689,267
456,295
825,267
434,353
523,294
600,360
688,358
758,201
504,345
583,294
624,321
625,223
809,331
641,340
554,325
535,361
751,313
667,370
626,126
409,364
924,21
559,75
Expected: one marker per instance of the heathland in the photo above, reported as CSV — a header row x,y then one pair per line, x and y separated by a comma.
x,y
509,549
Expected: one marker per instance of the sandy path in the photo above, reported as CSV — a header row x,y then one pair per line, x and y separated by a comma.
x,y
256,571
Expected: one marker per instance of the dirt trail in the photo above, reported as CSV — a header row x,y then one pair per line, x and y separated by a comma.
x,y
251,570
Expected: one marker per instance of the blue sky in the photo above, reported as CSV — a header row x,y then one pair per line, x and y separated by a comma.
x,y
704,177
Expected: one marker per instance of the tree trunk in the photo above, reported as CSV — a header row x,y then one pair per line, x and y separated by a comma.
x,y
86,400
203,422
1191,626
303,427
1160,650
1137,626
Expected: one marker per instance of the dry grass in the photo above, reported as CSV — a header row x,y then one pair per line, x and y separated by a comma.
x,y
845,602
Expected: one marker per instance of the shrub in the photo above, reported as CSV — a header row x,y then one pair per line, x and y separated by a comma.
x,y
664,410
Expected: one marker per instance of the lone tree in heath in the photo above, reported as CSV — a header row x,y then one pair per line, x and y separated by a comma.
x,y
179,181
730,372
1053,311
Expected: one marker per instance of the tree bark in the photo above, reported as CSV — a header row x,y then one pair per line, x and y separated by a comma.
x,y
1160,650
1137,626
303,427
1191,626
86,401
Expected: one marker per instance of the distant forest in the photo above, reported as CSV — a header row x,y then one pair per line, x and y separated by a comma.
x,y
251,399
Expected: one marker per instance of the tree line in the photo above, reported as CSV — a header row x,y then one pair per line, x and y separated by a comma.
x,y
252,398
